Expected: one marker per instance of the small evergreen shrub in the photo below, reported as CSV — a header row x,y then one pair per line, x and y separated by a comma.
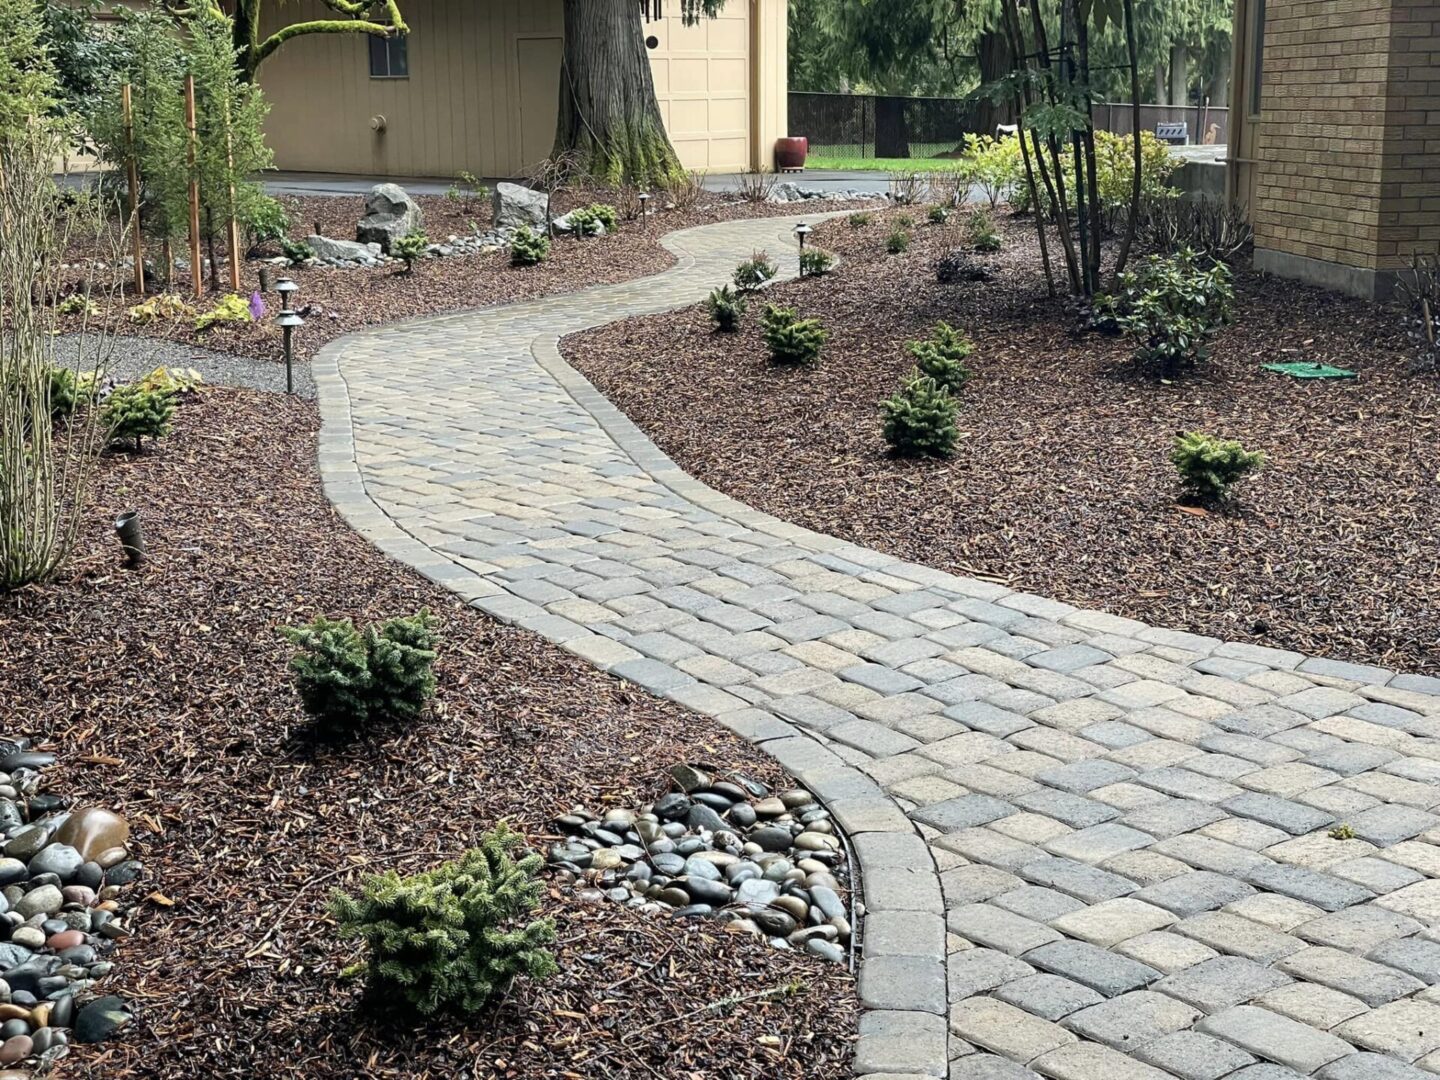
x,y
594,219
815,261
528,248
982,232
175,380
1174,306
904,221
898,242
297,251
164,306
919,420
268,221
959,266
941,356
410,247
938,215
348,678
791,339
860,218
1209,466
726,308
68,389
232,308
453,937
134,412
754,272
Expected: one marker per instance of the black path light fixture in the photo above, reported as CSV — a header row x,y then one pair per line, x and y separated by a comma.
x,y
288,320
132,541
801,232
644,198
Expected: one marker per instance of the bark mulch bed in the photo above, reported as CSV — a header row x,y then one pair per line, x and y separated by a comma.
x,y
166,693
1062,483
343,300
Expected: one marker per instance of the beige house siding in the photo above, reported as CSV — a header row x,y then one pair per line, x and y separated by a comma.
x,y
1346,147
484,86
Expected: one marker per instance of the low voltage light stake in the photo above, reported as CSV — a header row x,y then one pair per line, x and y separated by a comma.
x,y
644,198
288,320
801,231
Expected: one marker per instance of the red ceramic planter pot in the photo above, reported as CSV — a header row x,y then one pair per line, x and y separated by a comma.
x,y
790,152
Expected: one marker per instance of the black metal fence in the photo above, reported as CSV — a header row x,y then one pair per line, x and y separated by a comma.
x,y
884,126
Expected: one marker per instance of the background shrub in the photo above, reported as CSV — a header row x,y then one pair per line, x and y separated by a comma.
x,y
528,248
920,418
1209,466
1174,305
231,308
898,242
860,218
941,356
983,236
297,251
754,272
347,678
134,412
791,339
452,937
938,215
726,308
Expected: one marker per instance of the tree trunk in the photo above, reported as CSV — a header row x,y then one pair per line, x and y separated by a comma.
x,y
1179,75
1162,88
892,134
994,60
608,113
1131,52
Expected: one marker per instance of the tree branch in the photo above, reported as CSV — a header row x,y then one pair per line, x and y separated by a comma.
x,y
328,26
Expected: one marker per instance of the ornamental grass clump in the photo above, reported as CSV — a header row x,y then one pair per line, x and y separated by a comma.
x,y
455,937
136,412
754,272
815,261
726,307
1209,467
528,248
791,339
920,418
942,355
348,678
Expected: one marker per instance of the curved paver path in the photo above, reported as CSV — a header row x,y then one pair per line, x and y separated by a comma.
x,y
1090,848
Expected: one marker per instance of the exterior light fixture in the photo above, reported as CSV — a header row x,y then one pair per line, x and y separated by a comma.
x,y
801,231
644,198
127,528
288,320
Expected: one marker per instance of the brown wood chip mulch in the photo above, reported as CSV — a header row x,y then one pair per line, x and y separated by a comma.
x,y
166,693
1062,483
343,300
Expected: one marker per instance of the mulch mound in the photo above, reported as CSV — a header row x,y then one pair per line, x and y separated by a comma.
x,y
1062,484
166,692
345,299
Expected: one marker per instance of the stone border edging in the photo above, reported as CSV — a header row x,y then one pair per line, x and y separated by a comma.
x,y
902,979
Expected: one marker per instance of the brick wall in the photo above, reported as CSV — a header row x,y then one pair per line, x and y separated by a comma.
x,y
1410,179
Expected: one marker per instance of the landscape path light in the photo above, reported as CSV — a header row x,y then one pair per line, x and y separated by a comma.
x,y
644,198
288,320
801,232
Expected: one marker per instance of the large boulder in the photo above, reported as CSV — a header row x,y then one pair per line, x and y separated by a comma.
x,y
389,214
328,249
515,206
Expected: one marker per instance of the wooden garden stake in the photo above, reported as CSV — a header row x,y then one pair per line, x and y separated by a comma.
x,y
196,276
233,229
133,177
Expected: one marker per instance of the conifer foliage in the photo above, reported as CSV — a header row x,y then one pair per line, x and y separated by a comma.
x,y
920,418
942,356
453,937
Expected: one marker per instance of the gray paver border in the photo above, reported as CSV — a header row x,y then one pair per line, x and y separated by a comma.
x,y
834,781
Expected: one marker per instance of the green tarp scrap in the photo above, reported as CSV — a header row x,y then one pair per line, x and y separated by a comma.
x,y
1310,371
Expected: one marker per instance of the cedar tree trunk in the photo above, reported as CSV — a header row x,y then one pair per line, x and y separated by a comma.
x,y
609,117
993,54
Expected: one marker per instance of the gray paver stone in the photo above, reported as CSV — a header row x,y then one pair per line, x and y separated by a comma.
x,y
1276,1038
1200,890
1133,1019
1099,969
1192,1056
903,982
1375,984
1048,996
1221,983
901,1042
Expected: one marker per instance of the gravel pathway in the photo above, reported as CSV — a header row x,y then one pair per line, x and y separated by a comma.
x,y
1091,849
132,357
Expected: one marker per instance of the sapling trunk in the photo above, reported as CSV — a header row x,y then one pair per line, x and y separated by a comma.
x,y
1132,52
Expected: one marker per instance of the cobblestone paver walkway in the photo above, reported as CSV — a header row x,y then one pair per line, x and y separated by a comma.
x,y
1092,849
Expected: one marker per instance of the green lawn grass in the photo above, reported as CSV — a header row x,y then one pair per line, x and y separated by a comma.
x,y
849,164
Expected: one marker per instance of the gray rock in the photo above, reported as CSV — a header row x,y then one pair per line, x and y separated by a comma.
x,y
701,816
514,206
827,901
46,899
671,807
826,950
389,214
11,871
757,891
743,815
705,891
101,1018
772,838
702,868
327,249
62,860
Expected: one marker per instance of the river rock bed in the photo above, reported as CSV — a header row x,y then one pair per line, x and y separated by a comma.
x,y
724,848
62,879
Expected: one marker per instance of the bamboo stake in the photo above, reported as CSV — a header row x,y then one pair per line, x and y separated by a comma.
x,y
133,177
196,276
232,228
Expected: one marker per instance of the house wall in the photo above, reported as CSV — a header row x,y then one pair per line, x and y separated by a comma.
x,y
1346,146
484,86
